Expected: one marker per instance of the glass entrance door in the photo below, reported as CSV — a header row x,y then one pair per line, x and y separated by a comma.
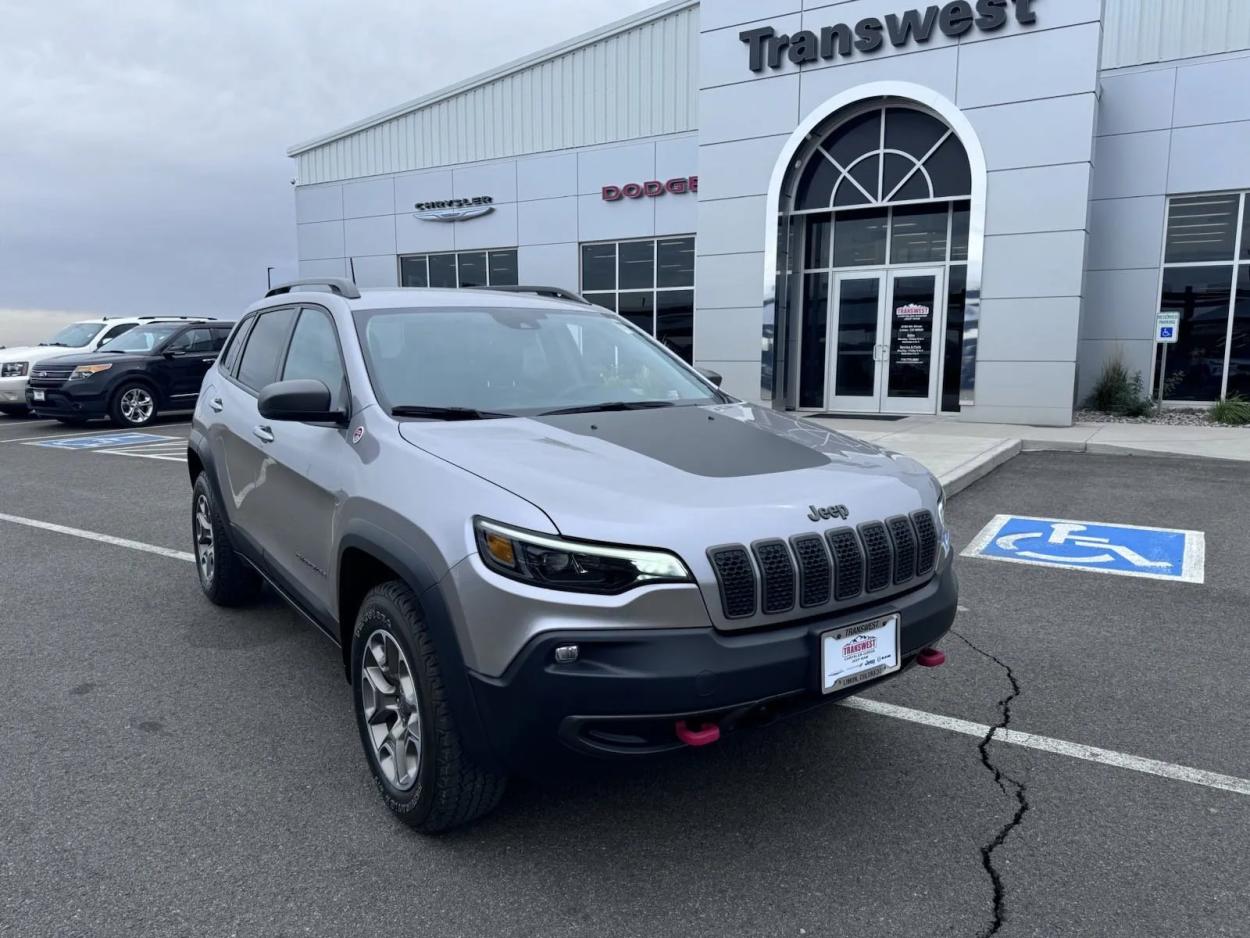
x,y
883,348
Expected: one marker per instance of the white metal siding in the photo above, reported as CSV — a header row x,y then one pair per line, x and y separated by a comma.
x,y
1140,31
638,83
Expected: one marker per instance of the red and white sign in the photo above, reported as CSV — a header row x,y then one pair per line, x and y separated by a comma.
x,y
678,185
912,311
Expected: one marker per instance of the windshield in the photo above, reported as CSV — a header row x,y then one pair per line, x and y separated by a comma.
x,y
141,338
518,362
75,335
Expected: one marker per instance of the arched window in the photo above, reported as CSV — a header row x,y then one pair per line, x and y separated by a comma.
x,y
885,155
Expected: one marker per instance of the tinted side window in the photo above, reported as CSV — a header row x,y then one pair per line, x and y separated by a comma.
x,y
314,353
231,354
192,341
116,331
265,345
218,339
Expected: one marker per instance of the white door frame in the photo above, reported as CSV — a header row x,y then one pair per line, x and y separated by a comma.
x,y
880,400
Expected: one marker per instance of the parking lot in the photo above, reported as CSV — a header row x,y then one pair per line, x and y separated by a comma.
x,y
169,767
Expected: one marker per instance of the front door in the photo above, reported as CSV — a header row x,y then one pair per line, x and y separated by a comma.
x,y
883,341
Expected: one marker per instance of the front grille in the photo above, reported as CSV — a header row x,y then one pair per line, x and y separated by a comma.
x,y
777,573
849,559
904,539
877,552
844,564
815,570
926,535
736,578
49,376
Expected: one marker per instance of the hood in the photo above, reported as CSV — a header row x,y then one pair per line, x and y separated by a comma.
x,y
682,478
73,361
35,353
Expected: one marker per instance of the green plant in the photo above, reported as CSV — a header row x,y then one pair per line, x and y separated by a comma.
x,y
1232,411
1119,392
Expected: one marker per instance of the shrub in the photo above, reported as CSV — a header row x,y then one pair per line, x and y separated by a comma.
x,y
1119,392
1233,411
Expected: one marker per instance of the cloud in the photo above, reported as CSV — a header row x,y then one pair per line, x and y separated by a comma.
x,y
143,169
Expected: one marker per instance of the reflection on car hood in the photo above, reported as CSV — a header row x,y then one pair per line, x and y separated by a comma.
x,y
73,361
689,476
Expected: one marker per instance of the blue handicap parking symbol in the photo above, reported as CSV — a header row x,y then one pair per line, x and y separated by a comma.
x,y
104,439
1165,332
1121,549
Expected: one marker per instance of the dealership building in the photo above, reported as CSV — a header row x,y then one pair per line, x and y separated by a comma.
x,y
868,206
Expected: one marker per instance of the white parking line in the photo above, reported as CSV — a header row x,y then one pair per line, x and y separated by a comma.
x,y
59,436
102,538
170,451
1120,760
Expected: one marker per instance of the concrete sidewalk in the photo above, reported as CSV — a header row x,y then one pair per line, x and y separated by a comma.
x,y
960,453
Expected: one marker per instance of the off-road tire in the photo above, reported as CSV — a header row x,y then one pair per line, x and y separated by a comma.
x,y
450,789
231,581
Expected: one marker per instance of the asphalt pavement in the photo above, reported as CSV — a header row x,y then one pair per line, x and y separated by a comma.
x,y
171,768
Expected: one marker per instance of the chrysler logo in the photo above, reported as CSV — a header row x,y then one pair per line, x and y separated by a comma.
x,y
454,209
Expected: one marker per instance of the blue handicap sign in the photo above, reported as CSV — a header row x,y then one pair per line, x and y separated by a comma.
x,y
98,442
1166,332
1121,549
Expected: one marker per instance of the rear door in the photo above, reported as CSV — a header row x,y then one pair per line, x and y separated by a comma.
x,y
186,359
241,447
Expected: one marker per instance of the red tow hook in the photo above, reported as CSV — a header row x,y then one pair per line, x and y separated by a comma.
x,y
705,735
931,658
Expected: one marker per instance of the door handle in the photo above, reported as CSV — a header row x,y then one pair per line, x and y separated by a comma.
x,y
208,361
264,434
216,405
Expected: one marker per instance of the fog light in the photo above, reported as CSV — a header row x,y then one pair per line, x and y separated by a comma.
x,y
566,654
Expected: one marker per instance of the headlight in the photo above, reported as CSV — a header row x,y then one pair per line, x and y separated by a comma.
x,y
561,564
86,371
14,369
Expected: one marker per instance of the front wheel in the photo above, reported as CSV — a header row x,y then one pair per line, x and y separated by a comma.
x,y
414,750
134,405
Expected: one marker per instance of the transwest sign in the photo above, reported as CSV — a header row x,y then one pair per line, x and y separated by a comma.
x,y
767,46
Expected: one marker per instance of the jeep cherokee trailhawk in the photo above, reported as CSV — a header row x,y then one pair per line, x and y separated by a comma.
x,y
535,533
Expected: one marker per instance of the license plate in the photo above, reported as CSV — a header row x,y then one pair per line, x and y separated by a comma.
x,y
859,653
37,395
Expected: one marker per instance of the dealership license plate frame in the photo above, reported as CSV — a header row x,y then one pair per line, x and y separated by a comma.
x,y
38,395
890,624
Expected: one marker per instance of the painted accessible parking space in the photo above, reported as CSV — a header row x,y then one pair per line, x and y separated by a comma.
x,y
1119,549
101,441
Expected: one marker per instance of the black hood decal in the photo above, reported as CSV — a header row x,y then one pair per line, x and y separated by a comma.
x,y
693,439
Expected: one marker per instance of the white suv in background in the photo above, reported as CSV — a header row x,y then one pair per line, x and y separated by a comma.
x,y
78,337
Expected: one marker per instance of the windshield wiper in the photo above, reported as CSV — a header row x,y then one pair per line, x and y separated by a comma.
x,y
607,405
50,344
444,413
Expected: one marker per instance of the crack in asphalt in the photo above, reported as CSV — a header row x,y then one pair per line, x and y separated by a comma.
x,y
1011,787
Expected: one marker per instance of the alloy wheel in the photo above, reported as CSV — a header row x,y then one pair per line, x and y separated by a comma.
x,y
137,405
392,717
205,554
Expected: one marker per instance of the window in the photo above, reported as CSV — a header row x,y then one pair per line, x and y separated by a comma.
x,y
1206,278
192,341
465,269
650,282
265,345
314,353
116,331
231,354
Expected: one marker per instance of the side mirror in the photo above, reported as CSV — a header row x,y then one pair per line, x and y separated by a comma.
x,y
302,399
711,375
174,352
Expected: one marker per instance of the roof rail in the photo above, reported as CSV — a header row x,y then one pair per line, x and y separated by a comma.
x,y
176,318
336,285
557,293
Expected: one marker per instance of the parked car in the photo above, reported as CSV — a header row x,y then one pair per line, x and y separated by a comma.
x,y
154,367
85,336
537,535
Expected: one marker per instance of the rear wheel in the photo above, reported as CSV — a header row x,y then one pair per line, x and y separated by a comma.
x,y
225,577
14,410
134,405
412,744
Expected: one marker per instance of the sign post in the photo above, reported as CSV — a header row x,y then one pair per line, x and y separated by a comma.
x,y
1167,331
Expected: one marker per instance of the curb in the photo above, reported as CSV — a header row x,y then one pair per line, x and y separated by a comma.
x,y
979,467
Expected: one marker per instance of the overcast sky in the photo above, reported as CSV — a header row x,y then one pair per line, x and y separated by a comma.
x,y
142,144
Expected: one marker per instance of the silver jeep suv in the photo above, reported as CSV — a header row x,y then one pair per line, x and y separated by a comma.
x,y
538,535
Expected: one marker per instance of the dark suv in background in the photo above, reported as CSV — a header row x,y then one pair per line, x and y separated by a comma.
x,y
152,368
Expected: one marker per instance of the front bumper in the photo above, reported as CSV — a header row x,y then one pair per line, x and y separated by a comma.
x,y
68,401
628,687
13,390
